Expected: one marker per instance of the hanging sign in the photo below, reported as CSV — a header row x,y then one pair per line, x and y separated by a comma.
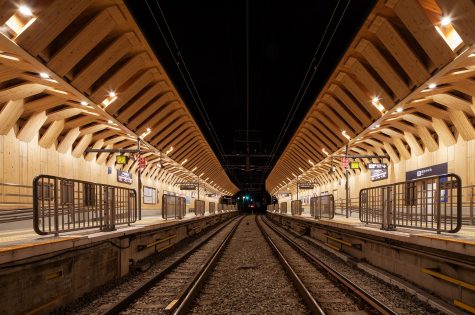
x,y
305,186
187,187
355,165
344,163
378,174
377,166
121,159
124,177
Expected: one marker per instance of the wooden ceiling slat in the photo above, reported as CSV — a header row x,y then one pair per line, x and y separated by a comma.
x,y
91,35
387,72
104,61
52,21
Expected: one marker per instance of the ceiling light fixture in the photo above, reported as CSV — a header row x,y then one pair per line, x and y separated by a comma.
x,y
446,20
25,10
432,86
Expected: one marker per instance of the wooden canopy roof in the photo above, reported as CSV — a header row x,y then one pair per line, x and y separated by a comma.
x,y
405,84
81,74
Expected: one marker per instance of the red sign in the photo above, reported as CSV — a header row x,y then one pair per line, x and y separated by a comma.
x,y
344,163
142,162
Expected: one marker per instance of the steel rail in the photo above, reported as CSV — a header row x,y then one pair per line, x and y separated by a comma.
x,y
125,302
186,297
353,287
305,294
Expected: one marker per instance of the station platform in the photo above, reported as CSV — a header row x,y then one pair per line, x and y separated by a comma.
x,y
462,242
18,240
442,264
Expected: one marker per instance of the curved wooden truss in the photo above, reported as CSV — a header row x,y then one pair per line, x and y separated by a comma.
x,y
405,84
102,87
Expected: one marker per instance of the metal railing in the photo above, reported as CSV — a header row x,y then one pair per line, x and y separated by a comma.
x,y
283,207
322,207
173,207
432,203
212,207
16,202
199,207
468,205
353,206
296,207
65,205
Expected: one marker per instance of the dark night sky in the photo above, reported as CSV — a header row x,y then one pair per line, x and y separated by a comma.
x,y
284,36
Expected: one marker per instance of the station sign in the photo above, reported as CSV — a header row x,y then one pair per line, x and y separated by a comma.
x,y
187,187
124,177
121,159
305,186
377,166
438,169
354,165
378,174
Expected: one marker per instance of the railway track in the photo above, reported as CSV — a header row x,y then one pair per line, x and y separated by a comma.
x,y
323,289
169,290
200,282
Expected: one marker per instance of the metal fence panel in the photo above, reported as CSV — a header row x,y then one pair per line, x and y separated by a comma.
x,y
199,207
283,207
431,203
322,207
296,207
212,207
173,207
65,205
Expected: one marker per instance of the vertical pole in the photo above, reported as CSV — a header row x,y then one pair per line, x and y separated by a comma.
x,y
347,187
297,188
139,181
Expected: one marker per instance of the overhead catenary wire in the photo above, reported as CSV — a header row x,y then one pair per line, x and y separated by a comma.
x,y
188,79
306,83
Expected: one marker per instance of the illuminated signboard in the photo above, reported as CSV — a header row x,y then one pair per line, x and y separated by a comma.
x,y
187,187
377,166
354,165
121,159
124,177
305,186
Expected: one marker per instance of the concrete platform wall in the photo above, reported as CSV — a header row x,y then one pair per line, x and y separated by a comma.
x,y
42,283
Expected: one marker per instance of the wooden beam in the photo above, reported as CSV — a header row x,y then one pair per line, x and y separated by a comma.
x,y
20,91
427,139
443,131
97,145
68,140
51,134
400,50
413,143
105,60
380,64
82,145
10,114
454,102
462,124
43,104
124,73
370,82
49,24
413,16
462,12
32,127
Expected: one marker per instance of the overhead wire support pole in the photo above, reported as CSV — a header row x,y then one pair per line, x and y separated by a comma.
x,y
139,183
